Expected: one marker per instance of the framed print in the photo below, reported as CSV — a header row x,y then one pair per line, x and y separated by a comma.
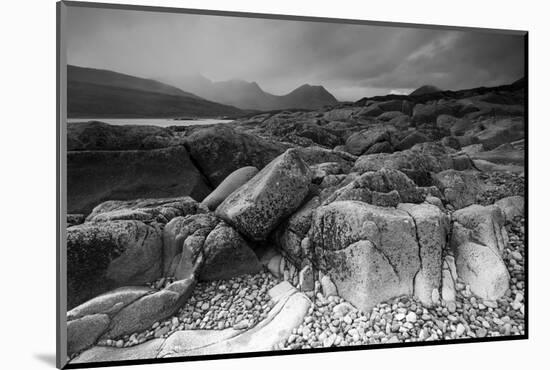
x,y
236,184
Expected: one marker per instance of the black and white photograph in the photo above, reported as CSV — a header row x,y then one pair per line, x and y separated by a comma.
x,y
240,184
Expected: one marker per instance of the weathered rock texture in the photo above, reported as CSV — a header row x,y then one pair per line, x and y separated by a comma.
x,y
432,227
385,187
381,250
257,207
460,188
159,210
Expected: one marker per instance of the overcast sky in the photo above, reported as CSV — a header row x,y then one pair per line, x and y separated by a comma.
x,y
351,61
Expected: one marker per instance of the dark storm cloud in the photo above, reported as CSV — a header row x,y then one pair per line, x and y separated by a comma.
x,y
351,61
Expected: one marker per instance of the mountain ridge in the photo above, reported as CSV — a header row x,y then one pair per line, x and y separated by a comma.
x,y
250,96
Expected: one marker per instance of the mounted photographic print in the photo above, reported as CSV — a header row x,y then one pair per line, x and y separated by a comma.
x,y
236,184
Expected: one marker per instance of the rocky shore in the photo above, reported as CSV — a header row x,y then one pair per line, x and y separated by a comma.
x,y
383,221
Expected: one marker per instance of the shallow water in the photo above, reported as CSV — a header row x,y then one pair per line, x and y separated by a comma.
x,y
162,122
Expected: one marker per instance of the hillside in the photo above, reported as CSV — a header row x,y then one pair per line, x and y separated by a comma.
x,y
102,93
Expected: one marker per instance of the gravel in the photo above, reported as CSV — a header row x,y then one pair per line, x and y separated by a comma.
x,y
239,303
502,184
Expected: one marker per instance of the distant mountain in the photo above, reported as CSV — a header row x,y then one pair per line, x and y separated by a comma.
x,y
307,96
493,94
426,89
249,95
102,93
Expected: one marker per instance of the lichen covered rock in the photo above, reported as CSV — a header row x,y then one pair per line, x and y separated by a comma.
x,y
257,207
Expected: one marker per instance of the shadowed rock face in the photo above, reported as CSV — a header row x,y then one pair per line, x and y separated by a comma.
x,y
292,231
202,245
183,253
220,150
96,135
96,176
227,254
106,255
257,207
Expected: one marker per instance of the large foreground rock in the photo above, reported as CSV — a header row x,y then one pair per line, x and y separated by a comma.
x,y
96,176
478,239
231,183
371,253
479,224
105,255
257,207
483,269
